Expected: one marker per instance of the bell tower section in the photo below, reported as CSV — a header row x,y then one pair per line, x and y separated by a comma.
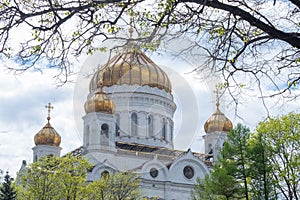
x,y
99,123
216,127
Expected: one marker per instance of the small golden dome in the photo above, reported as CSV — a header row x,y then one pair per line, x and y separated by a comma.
x,y
131,67
218,122
99,102
47,136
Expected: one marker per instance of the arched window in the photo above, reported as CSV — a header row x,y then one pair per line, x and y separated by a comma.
x,y
105,174
150,125
117,117
210,149
134,123
164,129
104,130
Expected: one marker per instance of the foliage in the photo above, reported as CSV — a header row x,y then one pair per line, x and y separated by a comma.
x,y
261,165
54,178
228,178
248,43
218,185
261,180
118,186
7,189
235,157
281,136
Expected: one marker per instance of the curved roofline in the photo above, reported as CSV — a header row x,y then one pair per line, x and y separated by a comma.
x,y
131,67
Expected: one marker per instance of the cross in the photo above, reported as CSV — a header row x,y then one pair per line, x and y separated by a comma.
x,y
49,109
218,95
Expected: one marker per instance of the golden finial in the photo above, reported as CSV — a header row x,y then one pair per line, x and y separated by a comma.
x,y
218,96
100,87
49,107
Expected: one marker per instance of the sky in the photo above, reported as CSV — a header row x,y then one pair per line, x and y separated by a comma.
x,y
23,98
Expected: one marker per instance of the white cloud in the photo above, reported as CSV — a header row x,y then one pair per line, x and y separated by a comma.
x,y
23,114
23,97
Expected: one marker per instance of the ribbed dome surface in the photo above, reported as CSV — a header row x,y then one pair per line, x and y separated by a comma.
x,y
131,67
47,136
218,122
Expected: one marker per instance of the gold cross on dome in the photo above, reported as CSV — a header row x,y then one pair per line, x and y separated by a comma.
x,y
49,107
218,96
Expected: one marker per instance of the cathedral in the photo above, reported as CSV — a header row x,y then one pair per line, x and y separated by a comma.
x,y
128,126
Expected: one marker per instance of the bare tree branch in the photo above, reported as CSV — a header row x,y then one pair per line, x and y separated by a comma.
x,y
239,37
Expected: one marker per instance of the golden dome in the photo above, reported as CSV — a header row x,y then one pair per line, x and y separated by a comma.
x,y
218,122
131,67
47,136
99,102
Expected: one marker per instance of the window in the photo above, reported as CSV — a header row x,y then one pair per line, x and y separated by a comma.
x,y
150,125
105,174
210,149
153,172
104,130
117,117
134,123
164,129
188,172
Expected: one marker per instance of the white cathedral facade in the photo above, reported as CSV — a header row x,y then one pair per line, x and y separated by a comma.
x,y
128,126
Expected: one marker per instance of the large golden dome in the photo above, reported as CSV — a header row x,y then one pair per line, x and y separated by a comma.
x,y
130,67
218,122
47,136
99,102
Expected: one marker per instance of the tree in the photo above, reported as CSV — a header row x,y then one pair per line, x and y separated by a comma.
x,y
264,164
281,135
220,184
55,178
228,178
249,43
235,157
7,190
261,180
117,186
